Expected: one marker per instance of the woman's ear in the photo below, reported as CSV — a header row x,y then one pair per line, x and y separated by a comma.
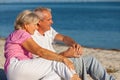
x,y
26,26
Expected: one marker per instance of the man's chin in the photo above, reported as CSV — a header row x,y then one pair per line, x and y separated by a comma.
x,y
48,29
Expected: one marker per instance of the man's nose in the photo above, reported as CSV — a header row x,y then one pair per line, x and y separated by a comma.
x,y
51,21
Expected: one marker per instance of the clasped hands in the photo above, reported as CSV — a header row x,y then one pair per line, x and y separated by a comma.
x,y
75,50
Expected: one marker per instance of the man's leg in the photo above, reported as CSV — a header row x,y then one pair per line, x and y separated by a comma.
x,y
95,69
89,65
80,67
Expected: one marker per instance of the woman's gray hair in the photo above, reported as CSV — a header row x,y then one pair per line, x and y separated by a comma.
x,y
25,17
39,11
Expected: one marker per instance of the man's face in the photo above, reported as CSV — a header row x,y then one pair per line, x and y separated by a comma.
x,y
46,23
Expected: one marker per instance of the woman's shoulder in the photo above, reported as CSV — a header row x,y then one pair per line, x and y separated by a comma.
x,y
19,35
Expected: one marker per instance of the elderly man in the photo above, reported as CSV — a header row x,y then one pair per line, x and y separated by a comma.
x,y
45,35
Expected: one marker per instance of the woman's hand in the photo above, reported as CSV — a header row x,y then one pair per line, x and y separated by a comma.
x,y
68,63
71,67
76,77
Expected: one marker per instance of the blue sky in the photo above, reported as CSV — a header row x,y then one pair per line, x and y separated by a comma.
x,y
9,1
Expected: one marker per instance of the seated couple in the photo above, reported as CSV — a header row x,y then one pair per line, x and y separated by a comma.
x,y
33,34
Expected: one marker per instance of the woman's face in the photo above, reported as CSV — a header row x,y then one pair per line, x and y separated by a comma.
x,y
30,28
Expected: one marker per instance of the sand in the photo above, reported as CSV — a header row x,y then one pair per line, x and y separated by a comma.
x,y
110,59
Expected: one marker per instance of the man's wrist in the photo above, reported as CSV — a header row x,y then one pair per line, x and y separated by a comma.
x,y
73,44
65,54
62,53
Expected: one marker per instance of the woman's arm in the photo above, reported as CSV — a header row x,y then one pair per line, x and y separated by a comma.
x,y
34,48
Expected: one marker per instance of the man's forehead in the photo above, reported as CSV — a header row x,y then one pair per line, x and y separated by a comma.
x,y
47,15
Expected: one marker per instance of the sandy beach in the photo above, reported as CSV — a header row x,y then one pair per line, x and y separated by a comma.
x,y
110,59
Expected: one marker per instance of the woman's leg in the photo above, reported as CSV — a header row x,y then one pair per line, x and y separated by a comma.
x,y
51,76
36,69
62,70
33,69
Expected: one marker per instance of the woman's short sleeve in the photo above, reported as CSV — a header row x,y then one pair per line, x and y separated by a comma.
x,y
18,36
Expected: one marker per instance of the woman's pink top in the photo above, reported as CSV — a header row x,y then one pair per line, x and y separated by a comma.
x,y
13,47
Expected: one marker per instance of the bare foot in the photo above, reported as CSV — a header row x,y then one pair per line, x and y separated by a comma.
x,y
75,77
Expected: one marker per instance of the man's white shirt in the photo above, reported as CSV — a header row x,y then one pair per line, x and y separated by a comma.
x,y
46,40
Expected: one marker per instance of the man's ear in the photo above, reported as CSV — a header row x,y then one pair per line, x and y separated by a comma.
x,y
38,23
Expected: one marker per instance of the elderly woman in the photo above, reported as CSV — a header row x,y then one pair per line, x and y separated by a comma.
x,y
20,64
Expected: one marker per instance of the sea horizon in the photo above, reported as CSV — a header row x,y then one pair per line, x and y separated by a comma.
x,y
86,2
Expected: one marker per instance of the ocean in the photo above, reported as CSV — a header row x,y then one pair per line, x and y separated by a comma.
x,y
91,24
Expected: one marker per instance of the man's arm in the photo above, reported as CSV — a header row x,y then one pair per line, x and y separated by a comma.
x,y
67,40
75,49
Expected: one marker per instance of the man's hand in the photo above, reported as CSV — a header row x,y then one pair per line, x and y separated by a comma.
x,y
77,49
73,51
